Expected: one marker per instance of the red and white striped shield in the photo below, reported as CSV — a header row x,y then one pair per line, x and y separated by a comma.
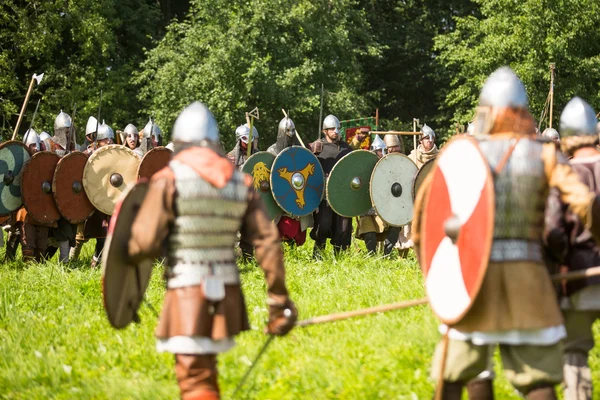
x,y
456,228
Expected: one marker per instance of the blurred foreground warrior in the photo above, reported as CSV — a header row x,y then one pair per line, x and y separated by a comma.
x,y
569,238
371,228
239,153
96,226
196,206
291,229
516,307
328,224
62,233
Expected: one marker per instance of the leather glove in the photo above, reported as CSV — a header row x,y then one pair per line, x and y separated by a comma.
x,y
317,147
282,317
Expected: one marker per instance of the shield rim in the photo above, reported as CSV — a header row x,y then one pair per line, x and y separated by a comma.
x,y
368,188
109,249
371,182
21,144
317,165
414,184
73,221
280,212
100,151
27,165
426,192
159,148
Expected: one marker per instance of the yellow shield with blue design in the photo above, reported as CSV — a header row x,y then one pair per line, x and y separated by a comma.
x,y
297,181
259,167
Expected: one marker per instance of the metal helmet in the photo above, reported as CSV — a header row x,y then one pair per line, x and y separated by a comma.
x,y
195,124
577,126
62,121
392,140
285,134
130,129
44,135
578,119
551,133
151,129
378,144
331,121
243,133
91,126
31,137
105,132
426,131
503,88
502,91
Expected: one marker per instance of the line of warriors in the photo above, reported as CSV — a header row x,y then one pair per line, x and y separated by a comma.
x,y
40,241
325,222
546,212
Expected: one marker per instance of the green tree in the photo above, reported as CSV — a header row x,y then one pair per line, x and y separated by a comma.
x,y
271,54
83,46
526,35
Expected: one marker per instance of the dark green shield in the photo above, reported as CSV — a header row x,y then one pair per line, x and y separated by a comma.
x,y
348,183
259,166
13,156
421,175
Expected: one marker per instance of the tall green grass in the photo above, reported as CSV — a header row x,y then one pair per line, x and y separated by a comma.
x,y
56,343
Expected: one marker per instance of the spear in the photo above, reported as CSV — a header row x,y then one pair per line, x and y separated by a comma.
x,y
32,121
97,121
38,79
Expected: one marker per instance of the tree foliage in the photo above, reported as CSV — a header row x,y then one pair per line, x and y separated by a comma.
x,y
82,46
527,35
270,54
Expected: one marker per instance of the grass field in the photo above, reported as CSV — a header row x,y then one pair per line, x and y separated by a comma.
x,y
56,342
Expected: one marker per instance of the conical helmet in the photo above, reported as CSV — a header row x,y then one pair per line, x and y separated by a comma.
x,y
577,126
195,124
378,144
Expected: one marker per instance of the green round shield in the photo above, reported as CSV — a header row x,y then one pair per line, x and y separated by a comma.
x,y
348,184
259,166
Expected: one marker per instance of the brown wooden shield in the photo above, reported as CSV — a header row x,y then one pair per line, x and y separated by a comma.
x,y
67,188
456,227
36,187
124,283
106,175
153,161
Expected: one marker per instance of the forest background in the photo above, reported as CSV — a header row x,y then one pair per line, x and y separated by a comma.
x,y
424,59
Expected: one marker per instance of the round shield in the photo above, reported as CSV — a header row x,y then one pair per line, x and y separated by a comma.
x,y
391,184
67,188
106,175
153,161
124,283
259,166
36,187
421,175
297,181
456,228
13,156
348,190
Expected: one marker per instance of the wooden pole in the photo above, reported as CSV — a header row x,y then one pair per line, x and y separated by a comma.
x,y
364,311
415,122
551,93
440,385
23,107
249,121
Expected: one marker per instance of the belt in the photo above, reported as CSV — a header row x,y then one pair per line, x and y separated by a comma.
x,y
183,275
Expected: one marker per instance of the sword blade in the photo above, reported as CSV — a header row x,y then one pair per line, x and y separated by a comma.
x,y
260,353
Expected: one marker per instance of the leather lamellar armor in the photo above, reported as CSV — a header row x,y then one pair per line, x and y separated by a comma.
x,y
206,224
521,189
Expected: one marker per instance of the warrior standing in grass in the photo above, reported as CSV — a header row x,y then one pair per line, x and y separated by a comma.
x,y
516,307
568,236
196,206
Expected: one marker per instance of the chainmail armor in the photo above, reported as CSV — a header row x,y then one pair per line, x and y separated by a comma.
x,y
521,189
205,228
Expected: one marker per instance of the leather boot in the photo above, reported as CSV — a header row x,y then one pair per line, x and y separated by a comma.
x,y
480,389
542,393
451,390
